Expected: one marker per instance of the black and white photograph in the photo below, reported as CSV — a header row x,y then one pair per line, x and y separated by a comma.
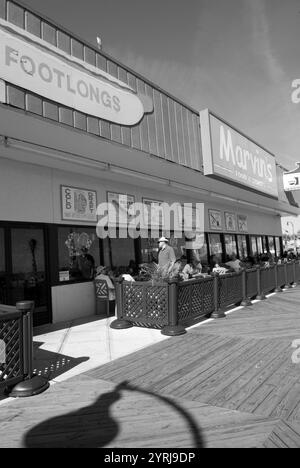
x,y
149,226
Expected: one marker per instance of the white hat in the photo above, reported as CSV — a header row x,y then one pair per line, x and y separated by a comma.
x,y
163,239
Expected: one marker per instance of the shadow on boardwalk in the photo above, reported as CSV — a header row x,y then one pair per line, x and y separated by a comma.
x,y
93,426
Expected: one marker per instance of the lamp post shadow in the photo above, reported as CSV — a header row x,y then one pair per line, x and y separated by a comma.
x,y
94,426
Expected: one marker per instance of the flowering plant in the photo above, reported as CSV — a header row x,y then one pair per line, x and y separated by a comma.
x,y
76,242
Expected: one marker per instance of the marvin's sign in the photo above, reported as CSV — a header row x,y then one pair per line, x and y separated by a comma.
x,y
35,65
229,155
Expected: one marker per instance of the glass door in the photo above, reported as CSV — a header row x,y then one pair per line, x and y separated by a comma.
x,y
26,276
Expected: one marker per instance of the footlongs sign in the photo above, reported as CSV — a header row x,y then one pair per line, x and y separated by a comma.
x,y
33,64
228,154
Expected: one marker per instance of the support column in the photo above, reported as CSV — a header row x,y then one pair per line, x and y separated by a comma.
x,y
278,288
32,384
261,295
173,328
120,323
218,313
246,302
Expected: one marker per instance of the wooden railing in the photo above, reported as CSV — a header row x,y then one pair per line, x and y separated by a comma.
x,y
173,305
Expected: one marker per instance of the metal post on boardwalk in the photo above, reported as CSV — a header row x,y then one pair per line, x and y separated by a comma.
x,y
287,284
246,300
173,328
120,323
218,313
278,288
261,295
32,384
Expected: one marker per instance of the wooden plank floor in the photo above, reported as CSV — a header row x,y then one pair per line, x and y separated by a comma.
x,y
227,383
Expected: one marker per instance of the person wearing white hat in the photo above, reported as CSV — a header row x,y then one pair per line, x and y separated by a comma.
x,y
166,254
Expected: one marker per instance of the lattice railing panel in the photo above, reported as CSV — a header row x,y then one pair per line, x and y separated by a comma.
x,y
184,300
145,303
297,269
133,301
290,272
11,335
195,298
281,275
230,289
157,304
251,282
268,279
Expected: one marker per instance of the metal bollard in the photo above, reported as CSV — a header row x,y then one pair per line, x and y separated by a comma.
x,y
32,384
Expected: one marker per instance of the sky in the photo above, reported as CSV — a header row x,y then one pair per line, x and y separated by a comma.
x,y
236,57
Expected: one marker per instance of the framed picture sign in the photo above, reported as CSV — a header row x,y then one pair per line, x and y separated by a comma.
x,y
122,203
215,219
230,221
153,216
78,204
242,223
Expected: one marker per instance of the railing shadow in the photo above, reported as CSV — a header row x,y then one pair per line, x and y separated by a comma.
x,y
94,427
50,364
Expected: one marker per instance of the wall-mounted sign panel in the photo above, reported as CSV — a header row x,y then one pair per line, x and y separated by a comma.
x,y
26,61
291,180
229,155
78,204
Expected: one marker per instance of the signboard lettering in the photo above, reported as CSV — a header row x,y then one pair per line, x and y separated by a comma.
x,y
230,155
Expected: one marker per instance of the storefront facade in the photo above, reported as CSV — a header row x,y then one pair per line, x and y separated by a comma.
x,y
68,144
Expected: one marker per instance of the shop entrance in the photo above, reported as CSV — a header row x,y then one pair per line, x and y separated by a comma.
x,y
23,269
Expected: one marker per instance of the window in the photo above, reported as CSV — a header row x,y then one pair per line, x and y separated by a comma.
x,y
253,245
242,246
149,250
78,253
215,246
277,246
230,245
122,251
264,244
259,245
271,245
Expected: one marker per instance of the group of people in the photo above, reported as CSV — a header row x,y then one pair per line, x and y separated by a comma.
x,y
167,260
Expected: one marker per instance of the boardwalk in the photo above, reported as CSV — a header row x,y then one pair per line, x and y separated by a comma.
x,y
227,383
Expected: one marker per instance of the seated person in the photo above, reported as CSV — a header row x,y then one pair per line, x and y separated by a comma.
x,y
132,268
191,269
234,263
218,267
127,277
102,274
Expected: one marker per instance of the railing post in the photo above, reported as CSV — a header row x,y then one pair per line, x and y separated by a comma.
x,y
294,273
287,284
278,288
32,384
218,313
261,295
173,328
246,300
120,323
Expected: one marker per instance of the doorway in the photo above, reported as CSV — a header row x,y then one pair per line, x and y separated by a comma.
x,y
23,268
